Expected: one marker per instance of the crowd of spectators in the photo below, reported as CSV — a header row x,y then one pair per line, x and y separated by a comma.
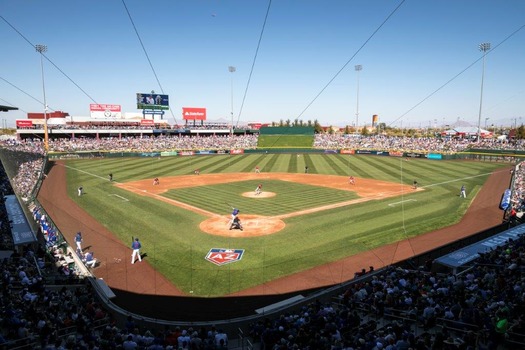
x,y
135,125
410,144
224,142
138,144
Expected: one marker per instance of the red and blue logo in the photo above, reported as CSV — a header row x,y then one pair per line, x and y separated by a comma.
x,y
221,256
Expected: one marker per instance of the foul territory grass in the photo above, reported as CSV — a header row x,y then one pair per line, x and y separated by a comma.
x,y
176,247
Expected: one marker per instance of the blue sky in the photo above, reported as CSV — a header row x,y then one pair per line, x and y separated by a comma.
x,y
304,44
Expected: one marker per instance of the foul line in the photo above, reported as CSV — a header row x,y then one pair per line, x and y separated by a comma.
x,y
86,172
116,195
396,203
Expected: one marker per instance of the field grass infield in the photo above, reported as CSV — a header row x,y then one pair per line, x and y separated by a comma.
x,y
323,217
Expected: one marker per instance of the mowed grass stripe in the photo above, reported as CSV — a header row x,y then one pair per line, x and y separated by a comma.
x,y
291,197
330,166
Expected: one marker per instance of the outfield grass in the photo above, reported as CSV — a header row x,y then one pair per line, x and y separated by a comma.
x,y
176,247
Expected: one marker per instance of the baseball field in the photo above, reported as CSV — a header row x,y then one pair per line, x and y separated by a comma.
x,y
299,221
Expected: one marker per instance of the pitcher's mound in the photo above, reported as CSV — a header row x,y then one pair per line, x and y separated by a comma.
x,y
253,225
261,195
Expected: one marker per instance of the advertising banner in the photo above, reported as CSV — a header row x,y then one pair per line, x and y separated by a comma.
x,y
193,113
416,155
347,151
152,101
434,156
102,110
505,199
24,123
186,153
237,151
146,122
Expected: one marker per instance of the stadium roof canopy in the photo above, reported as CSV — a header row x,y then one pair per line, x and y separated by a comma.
x,y
7,108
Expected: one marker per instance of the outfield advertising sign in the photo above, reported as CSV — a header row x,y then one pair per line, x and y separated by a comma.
x,y
193,113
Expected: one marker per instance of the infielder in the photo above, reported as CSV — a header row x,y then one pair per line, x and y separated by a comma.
x,y
258,189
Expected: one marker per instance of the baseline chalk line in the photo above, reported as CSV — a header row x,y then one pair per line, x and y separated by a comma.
x,y
116,195
396,203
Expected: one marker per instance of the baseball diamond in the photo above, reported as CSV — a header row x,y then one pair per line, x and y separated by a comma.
x,y
311,226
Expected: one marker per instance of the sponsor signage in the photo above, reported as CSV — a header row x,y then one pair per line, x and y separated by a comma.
x,y
193,113
221,256
434,156
237,151
347,151
149,154
102,110
24,123
167,154
152,101
186,153
147,122
416,155
505,200
333,151
101,107
396,154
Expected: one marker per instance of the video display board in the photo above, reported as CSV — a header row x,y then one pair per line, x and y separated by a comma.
x,y
152,101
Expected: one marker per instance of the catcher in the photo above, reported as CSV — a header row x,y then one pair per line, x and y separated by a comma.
x,y
236,224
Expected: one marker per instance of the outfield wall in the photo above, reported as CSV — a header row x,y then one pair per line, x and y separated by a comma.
x,y
479,155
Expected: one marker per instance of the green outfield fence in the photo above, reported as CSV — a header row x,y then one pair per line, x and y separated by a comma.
x,y
283,130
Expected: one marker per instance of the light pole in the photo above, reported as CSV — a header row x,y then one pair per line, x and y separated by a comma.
x,y
358,68
483,47
232,70
41,49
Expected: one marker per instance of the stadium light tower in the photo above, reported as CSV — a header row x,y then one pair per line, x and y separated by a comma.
x,y
483,47
41,49
358,68
232,70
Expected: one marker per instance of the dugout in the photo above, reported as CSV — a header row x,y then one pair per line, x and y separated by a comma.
x,y
459,259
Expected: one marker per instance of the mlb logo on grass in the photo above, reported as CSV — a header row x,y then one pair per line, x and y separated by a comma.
x,y
221,256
